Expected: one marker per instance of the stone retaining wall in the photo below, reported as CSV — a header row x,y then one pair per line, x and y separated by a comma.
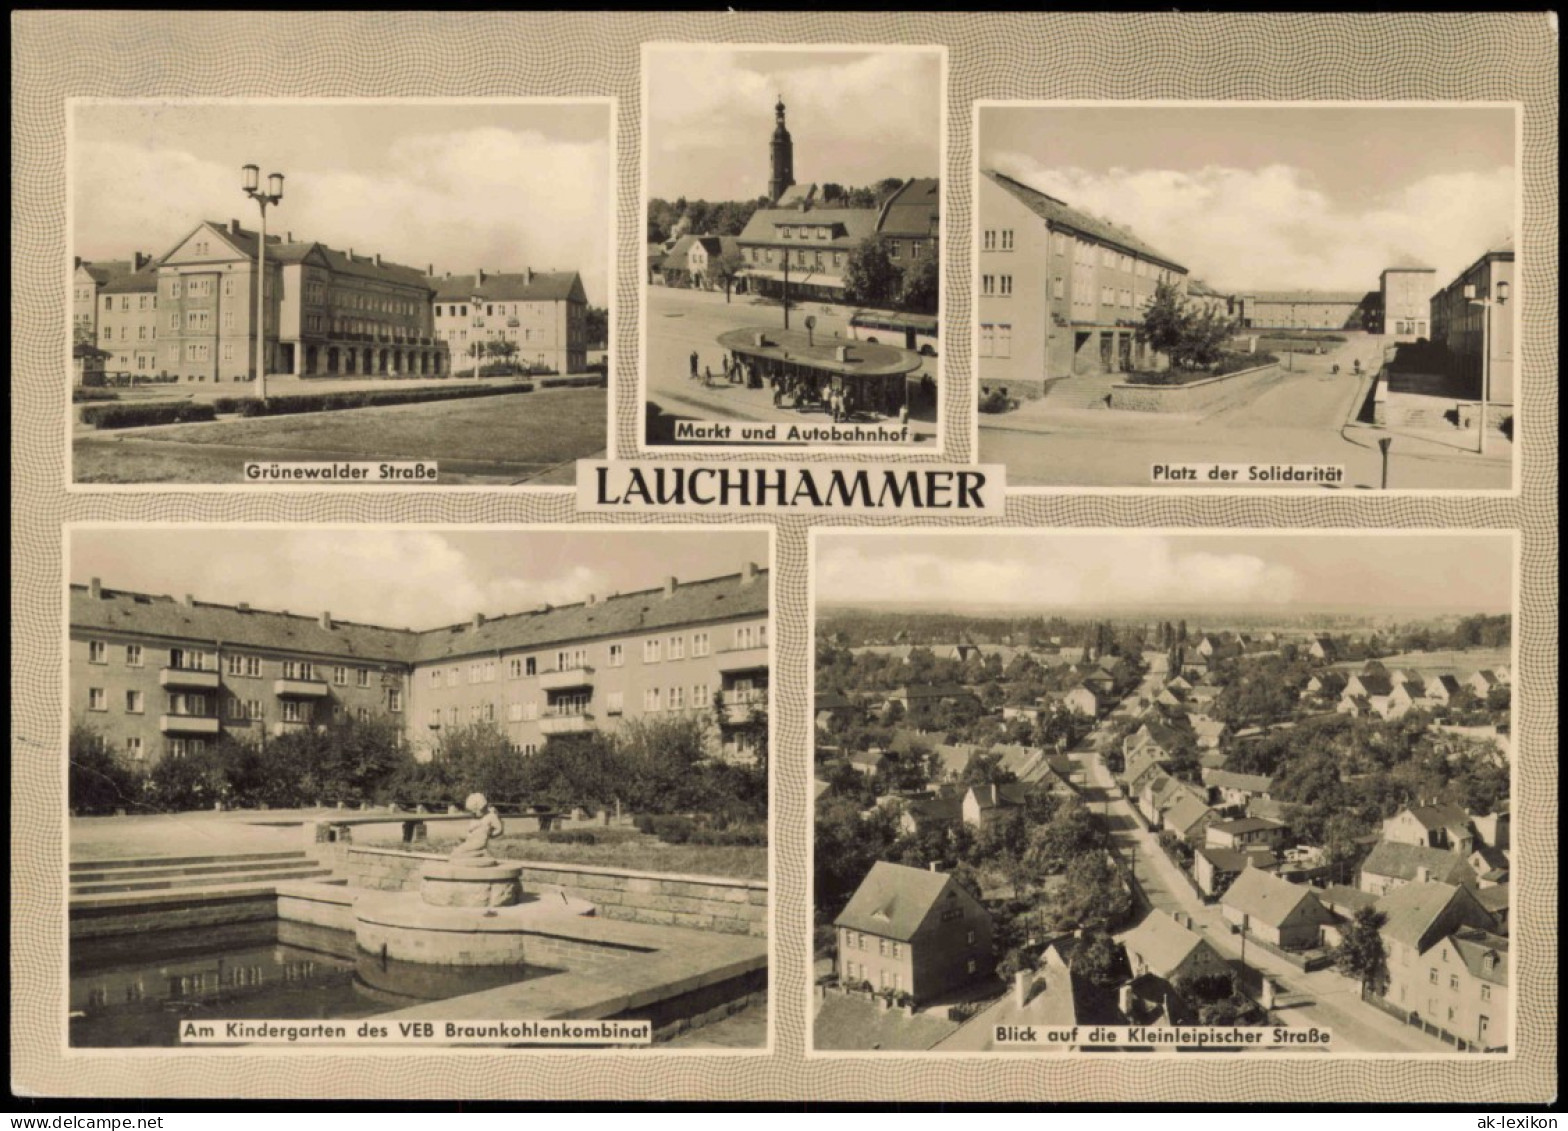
x,y
708,903
1190,398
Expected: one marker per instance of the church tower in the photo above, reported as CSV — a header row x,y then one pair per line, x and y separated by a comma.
x,y
781,152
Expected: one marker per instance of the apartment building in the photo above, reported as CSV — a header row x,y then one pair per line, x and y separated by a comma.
x,y
1406,290
541,315
1061,292
88,278
127,321
157,676
1478,329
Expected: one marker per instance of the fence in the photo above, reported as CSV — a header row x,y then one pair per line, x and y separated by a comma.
x,y
1416,1021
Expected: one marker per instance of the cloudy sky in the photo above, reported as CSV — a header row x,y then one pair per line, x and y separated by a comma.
x,y
856,117
1403,574
402,577
463,186
1275,198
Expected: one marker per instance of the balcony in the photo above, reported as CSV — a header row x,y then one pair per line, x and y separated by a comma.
x,y
299,688
742,659
738,704
282,727
566,679
187,724
566,724
188,679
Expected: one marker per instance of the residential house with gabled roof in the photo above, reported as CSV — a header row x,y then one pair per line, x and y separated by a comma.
x,y
1246,832
1446,964
1188,818
1391,865
1440,689
953,759
1216,868
1160,792
1490,866
1367,685
984,805
1081,700
1227,787
1484,682
1280,913
913,931
1432,826
1321,648
1161,953
921,702
947,808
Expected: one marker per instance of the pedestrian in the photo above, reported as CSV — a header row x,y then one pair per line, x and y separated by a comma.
x,y
707,377
694,364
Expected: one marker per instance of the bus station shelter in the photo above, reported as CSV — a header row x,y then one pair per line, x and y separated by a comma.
x,y
873,378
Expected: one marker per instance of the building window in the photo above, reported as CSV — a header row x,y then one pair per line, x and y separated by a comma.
x,y
489,671
1431,975
988,284
514,668
97,699
678,699
882,948
97,652
133,749
340,675
700,695
987,339
1007,239
617,655
362,677
133,655
489,713
614,703
650,699
1453,982
1058,287
970,938
988,242
298,669
677,648
1486,993
895,249
394,699
531,666
188,706
650,651
1006,284
972,967
135,703
745,637
699,644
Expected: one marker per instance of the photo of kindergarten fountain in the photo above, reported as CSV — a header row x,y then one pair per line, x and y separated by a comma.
x,y
469,910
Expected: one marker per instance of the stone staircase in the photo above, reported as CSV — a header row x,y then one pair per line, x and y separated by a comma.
x,y
168,875
1080,391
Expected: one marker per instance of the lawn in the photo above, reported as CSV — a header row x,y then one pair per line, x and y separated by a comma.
x,y
504,436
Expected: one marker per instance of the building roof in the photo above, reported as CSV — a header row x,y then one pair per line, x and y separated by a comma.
x,y
350,263
1059,213
801,348
1408,263
850,226
949,809
1412,909
1007,796
955,759
523,286
144,281
1440,816
1163,943
868,758
1227,779
1405,861
893,900
106,270
932,691
1265,897
1242,825
1324,297
713,599
1495,898
914,210
1346,898
1374,683
1229,860
1017,760
1473,945
1185,812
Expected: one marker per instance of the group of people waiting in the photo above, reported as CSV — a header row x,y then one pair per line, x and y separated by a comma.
x,y
733,370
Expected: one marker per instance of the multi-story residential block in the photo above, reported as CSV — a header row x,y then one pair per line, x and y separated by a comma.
x,y
1061,292
1406,290
88,278
543,314
1310,310
156,676
913,931
128,322
1447,966
1462,325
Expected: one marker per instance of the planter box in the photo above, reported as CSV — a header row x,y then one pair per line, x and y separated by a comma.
x,y
1193,397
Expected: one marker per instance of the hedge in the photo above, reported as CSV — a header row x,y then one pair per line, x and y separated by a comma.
x,y
368,398
134,415
571,836
684,830
83,394
1230,363
582,381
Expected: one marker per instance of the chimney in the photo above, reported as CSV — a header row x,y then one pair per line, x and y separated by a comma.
x,y
243,606
189,602
841,353
528,274
1423,874
479,621
748,573
95,589
77,261
592,600
1021,986
234,227
932,866
669,587
479,277
139,260
378,259
430,269
290,236
326,620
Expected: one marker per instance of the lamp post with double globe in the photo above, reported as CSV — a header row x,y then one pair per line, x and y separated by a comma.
x,y
272,195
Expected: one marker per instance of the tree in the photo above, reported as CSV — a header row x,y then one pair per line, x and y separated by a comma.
x,y
870,275
1361,953
596,327
726,267
1093,895
921,285
1099,960
96,780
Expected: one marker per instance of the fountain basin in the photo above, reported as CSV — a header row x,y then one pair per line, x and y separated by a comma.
x,y
470,885
403,926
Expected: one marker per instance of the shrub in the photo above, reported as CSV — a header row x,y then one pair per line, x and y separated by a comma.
x,y
368,398
135,415
1236,362
995,401
571,836
82,394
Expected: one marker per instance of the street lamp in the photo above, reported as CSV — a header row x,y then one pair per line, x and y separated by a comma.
x,y
272,195
1501,290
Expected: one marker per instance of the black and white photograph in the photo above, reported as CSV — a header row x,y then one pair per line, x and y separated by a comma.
x,y
435,296
794,223
1171,785
484,776
1247,296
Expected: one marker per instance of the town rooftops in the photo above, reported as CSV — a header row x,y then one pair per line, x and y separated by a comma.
x,y
1265,897
144,281
893,901
523,286
107,270
1243,825
1229,860
1246,783
872,758
847,227
1345,900
714,599
1185,812
1475,946
914,210
1162,943
931,691
1330,298
1007,796
1407,263
1406,861
1441,816
1059,213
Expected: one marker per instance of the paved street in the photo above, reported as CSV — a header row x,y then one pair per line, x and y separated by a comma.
x,y
1299,416
1322,998
680,321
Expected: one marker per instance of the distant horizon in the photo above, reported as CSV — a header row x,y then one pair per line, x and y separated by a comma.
x,y
1161,612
